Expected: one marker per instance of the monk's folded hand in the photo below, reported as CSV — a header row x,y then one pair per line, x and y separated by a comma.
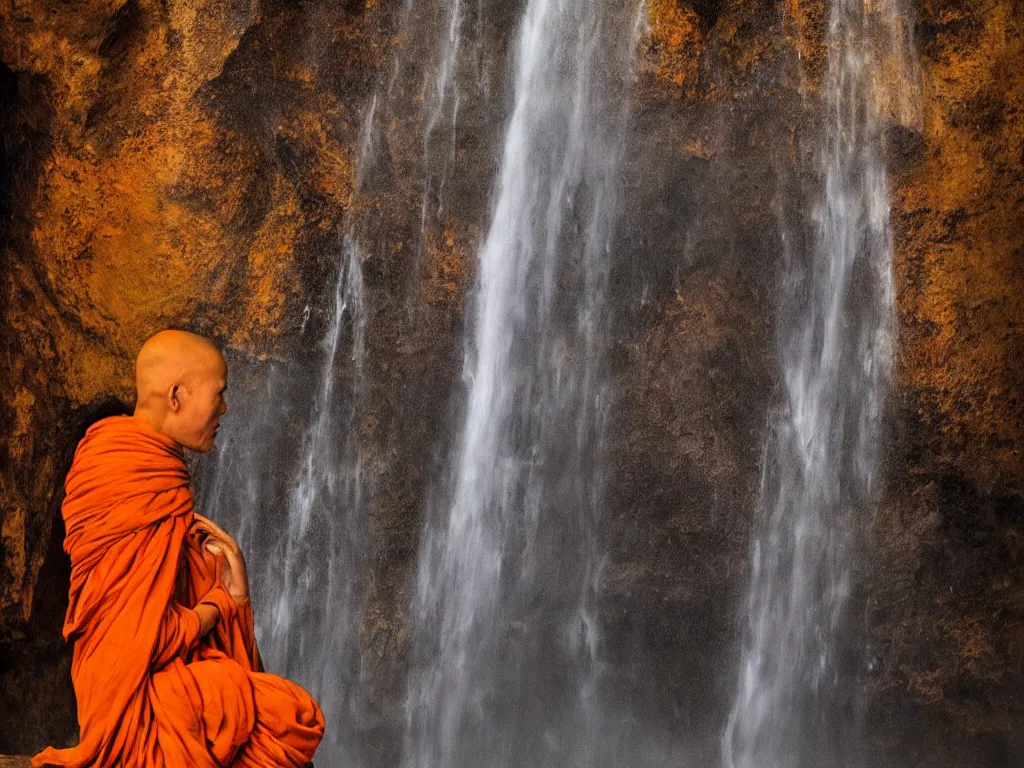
x,y
208,615
218,542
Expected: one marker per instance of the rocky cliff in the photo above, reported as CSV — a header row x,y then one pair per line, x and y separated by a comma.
x,y
196,164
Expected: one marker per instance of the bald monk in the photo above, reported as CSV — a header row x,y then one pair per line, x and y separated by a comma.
x,y
165,669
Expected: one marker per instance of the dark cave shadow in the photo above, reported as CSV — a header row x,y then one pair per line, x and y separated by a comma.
x,y
37,700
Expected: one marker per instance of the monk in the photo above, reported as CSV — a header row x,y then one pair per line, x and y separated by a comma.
x,y
165,668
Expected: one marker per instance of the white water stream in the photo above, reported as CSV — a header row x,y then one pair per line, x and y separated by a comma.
x,y
502,624
794,705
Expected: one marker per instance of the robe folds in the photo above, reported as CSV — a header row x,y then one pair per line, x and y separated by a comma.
x,y
151,692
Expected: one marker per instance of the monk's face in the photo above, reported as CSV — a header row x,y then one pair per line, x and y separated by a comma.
x,y
200,403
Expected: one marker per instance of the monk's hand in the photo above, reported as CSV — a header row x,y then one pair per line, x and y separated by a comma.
x,y
217,542
208,616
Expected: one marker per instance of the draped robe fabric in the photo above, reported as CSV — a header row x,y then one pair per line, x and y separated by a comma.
x,y
151,692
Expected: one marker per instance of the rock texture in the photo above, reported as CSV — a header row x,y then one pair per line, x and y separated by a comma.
x,y
195,164
947,610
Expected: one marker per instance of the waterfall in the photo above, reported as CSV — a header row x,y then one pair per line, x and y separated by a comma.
x,y
439,131
312,620
290,481
310,550
819,482
502,619
296,502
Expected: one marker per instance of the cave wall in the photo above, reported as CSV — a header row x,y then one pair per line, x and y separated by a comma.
x,y
144,198
193,164
157,162
947,605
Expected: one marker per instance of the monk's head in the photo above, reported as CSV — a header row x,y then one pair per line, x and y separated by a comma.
x,y
180,380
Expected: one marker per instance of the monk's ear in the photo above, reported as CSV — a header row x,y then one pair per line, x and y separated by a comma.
x,y
174,401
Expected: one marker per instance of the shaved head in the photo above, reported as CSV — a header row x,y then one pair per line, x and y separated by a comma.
x,y
180,379
169,357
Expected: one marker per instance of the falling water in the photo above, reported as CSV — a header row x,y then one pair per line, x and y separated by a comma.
x,y
502,624
439,131
291,483
311,551
316,588
304,523
820,480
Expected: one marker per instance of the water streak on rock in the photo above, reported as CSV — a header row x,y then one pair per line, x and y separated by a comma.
x,y
819,482
311,552
503,617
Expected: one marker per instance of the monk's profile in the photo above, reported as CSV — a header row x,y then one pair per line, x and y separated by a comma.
x,y
165,668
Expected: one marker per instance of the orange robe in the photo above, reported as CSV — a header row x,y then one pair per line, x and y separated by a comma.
x,y
152,693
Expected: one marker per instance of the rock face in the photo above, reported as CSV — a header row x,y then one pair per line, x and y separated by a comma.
x,y
195,164
142,193
947,608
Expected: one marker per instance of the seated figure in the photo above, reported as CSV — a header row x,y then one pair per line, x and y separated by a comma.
x,y
165,668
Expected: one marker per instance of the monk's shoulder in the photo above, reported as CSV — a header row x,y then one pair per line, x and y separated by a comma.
x,y
125,451
131,434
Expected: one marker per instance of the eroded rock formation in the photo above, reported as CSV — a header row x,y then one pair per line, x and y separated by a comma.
x,y
947,610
